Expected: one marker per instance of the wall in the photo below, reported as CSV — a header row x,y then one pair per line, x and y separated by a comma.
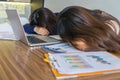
x,y
110,6
36,4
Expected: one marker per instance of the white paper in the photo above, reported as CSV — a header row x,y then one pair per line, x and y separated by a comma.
x,y
6,32
5,27
56,37
84,62
61,48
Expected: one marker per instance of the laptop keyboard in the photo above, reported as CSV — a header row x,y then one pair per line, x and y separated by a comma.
x,y
34,40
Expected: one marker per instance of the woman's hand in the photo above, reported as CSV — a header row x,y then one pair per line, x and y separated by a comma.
x,y
41,30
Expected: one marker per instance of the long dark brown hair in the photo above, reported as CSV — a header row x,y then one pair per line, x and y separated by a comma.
x,y
43,17
78,23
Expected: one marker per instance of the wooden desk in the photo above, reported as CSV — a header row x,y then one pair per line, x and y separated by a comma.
x,y
21,62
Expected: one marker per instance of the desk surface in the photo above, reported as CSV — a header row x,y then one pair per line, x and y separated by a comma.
x,y
21,62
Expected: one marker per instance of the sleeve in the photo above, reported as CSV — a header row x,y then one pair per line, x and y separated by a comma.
x,y
29,29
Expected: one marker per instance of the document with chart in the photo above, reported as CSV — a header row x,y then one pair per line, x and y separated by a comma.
x,y
84,63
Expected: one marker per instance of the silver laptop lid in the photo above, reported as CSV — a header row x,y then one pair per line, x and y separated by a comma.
x,y
15,22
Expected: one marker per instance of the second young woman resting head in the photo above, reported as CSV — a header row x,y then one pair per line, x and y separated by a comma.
x,y
89,30
42,21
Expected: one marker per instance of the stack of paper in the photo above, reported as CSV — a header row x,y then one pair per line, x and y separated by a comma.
x,y
67,65
6,32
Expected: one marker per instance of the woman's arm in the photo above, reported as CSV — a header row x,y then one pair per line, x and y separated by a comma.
x,y
39,30
35,30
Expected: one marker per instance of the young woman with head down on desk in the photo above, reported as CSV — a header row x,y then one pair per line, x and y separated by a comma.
x,y
89,30
42,21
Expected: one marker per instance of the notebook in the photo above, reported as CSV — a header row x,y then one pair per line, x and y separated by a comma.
x,y
29,39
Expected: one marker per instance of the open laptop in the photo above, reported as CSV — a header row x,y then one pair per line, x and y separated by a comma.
x,y
29,39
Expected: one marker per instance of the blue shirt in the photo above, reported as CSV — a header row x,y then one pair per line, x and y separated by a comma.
x,y
29,29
